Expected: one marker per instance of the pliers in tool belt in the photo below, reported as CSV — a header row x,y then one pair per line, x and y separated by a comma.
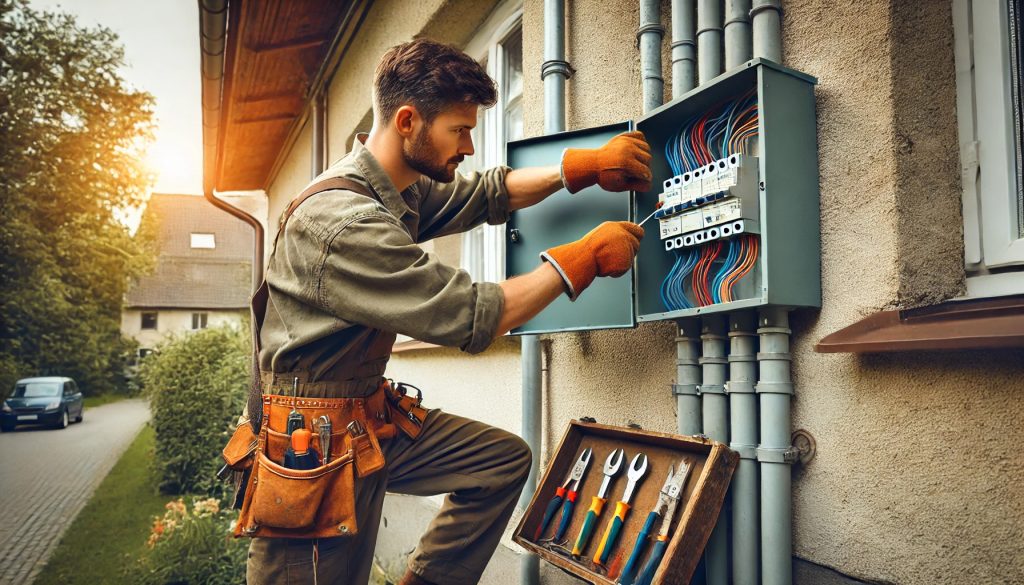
x,y
668,501
567,490
612,465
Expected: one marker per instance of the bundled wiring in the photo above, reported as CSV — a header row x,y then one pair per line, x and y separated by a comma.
x,y
721,131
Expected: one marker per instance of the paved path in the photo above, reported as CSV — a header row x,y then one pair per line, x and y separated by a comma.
x,y
47,476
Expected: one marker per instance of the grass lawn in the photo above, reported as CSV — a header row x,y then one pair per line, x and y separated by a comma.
x,y
91,401
111,531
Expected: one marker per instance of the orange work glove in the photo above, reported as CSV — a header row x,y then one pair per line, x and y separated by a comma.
x,y
608,250
622,164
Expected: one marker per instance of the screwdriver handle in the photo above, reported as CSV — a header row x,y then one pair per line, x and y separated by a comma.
x,y
652,563
570,501
550,512
612,533
596,505
633,564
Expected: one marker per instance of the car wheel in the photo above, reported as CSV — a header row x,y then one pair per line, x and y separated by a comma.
x,y
63,424
81,412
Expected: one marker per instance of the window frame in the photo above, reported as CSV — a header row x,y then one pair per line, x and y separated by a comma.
x,y
156,320
485,245
201,319
993,250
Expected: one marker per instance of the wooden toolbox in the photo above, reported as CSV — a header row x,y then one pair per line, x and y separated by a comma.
x,y
711,468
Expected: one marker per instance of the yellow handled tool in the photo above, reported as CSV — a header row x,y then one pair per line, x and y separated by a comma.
x,y
611,469
637,470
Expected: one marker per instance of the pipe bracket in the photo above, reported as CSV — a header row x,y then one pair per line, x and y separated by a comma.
x,y
685,389
684,43
787,455
767,329
708,29
739,387
711,388
746,451
744,19
556,66
687,362
774,388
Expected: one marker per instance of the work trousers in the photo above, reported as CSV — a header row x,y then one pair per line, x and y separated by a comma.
x,y
480,467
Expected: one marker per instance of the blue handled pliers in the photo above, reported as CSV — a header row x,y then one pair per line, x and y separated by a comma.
x,y
668,501
568,491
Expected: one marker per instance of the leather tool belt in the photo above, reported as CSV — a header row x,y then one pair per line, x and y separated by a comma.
x,y
280,502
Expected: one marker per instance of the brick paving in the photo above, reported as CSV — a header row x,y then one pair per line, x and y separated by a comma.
x,y
47,476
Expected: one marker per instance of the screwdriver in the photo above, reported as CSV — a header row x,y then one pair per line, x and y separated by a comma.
x,y
656,208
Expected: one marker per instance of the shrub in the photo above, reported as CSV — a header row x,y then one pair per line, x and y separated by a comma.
x,y
197,386
193,547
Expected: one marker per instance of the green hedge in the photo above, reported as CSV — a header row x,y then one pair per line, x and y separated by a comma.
x,y
197,386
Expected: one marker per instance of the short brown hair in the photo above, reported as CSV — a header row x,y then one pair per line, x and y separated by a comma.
x,y
429,76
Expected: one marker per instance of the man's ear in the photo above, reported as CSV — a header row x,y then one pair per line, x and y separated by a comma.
x,y
406,120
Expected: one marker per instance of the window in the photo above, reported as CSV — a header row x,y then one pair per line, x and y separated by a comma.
x,y
149,320
203,241
991,128
199,320
499,46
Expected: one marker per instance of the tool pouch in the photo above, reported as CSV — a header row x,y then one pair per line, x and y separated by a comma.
x,y
407,413
238,457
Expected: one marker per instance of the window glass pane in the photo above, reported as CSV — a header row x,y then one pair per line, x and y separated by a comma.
x,y
513,82
513,121
149,320
1016,82
203,241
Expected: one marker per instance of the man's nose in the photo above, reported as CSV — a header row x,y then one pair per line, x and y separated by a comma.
x,y
466,145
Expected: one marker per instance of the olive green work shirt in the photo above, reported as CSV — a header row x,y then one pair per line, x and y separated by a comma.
x,y
347,274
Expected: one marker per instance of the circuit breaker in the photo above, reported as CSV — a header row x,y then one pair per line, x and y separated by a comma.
x,y
734,208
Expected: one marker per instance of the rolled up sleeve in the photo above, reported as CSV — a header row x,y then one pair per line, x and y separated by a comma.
x,y
374,274
468,201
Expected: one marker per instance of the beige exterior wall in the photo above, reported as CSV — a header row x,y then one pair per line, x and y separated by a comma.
x,y
917,476
173,322
293,176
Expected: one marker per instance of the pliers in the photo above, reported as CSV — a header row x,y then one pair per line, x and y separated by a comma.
x,y
637,470
569,491
668,501
612,465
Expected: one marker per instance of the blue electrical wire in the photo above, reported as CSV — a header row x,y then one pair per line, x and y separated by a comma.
x,y
727,267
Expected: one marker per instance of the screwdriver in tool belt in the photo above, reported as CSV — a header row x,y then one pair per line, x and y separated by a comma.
x,y
612,465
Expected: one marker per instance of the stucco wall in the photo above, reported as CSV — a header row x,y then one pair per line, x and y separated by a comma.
x,y
171,322
293,176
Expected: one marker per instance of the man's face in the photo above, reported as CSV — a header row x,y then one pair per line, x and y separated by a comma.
x,y
435,150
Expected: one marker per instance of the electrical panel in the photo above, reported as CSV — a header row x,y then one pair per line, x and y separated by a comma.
x,y
733,214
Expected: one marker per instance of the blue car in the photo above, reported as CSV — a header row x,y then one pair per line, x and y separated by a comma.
x,y
52,400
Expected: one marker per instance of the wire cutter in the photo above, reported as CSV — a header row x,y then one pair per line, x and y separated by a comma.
x,y
612,465
637,470
569,493
668,501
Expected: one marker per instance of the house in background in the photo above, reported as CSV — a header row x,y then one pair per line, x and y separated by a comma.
x,y
203,274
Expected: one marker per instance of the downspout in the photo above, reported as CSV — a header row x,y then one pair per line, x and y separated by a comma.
x,y
684,49
553,72
212,43
737,33
714,365
743,418
775,454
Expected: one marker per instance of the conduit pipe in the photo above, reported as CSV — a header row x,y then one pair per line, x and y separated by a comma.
x,y
684,47
553,72
649,35
714,365
775,454
687,388
767,17
212,43
737,33
709,40
743,429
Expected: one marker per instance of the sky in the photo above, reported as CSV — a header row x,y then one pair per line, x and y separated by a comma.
x,y
161,44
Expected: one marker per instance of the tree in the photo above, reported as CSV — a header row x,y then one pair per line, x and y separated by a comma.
x,y
72,136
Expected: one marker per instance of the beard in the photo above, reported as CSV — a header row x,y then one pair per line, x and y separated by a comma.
x,y
421,156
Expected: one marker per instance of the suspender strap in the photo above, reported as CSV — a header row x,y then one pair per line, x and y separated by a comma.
x,y
258,302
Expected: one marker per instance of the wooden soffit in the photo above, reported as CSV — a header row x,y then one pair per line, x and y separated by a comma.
x,y
274,50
